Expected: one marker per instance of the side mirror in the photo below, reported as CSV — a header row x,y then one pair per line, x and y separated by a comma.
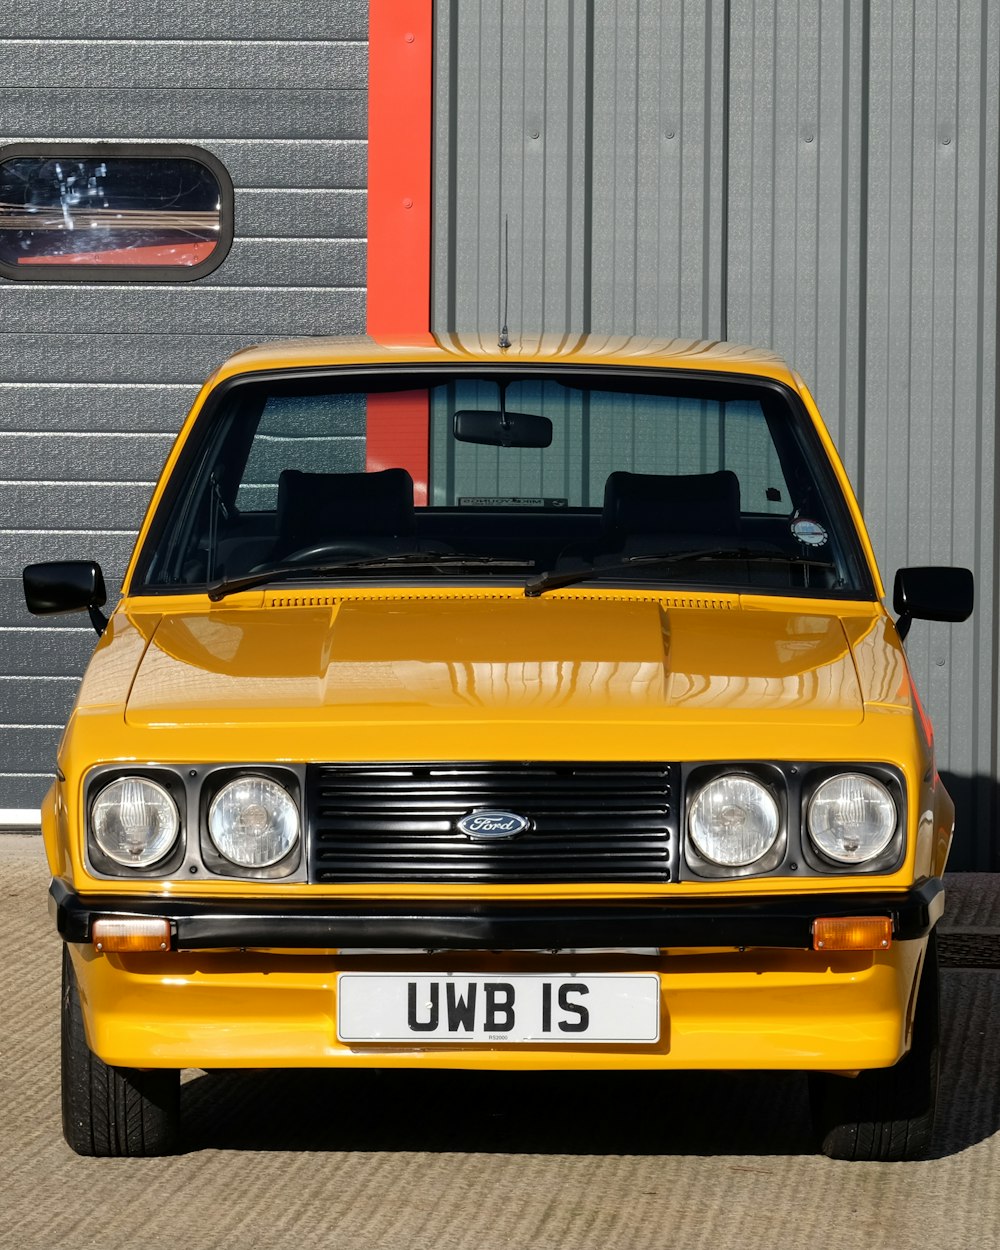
x,y
932,593
66,586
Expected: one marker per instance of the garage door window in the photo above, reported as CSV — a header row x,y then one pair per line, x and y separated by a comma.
x,y
112,212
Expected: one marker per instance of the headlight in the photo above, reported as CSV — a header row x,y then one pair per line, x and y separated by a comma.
x,y
851,818
733,821
253,822
134,821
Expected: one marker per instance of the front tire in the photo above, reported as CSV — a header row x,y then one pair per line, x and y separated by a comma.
x,y
886,1114
111,1111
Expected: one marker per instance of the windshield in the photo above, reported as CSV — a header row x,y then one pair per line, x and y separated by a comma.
x,y
487,475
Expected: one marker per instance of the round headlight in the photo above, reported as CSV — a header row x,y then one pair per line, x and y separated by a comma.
x,y
733,821
851,818
253,822
134,821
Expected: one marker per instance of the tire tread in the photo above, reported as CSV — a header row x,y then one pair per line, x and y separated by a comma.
x,y
109,1111
886,1114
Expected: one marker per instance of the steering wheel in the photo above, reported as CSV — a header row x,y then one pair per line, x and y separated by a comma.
x,y
338,549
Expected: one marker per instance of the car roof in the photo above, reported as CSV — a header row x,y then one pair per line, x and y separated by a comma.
x,y
712,356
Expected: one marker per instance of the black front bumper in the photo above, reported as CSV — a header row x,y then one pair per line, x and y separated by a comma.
x,y
775,921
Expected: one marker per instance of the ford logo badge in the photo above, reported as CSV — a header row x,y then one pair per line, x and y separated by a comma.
x,y
485,826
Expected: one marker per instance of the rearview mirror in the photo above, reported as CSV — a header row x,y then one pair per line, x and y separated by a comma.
x,y
502,429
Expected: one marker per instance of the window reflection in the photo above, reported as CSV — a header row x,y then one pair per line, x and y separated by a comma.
x,y
108,211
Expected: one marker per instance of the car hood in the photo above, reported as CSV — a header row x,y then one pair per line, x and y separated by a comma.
x,y
420,659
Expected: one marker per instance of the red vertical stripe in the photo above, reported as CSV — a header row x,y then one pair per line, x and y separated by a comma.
x,y
397,436
399,169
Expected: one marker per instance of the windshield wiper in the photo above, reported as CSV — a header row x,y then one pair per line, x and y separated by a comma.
x,y
552,581
431,559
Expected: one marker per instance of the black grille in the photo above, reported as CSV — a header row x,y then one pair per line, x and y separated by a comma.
x,y
588,822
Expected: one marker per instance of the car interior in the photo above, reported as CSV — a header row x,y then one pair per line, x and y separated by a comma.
x,y
329,517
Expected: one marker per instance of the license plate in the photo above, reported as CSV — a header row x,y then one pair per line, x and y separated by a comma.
x,y
528,1007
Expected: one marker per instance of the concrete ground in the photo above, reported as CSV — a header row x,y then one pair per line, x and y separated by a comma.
x,y
445,1161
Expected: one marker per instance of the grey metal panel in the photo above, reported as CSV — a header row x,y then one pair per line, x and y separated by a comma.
x,y
930,397
301,214
619,134
111,548
95,380
308,163
57,646
833,196
95,457
261,164
173,62
541,110
657,165
795,177
23,747
280,262
189,19
79,505
192,113
862,246
43,700
41,650
26,790
513,115
127,411
271,312
122,358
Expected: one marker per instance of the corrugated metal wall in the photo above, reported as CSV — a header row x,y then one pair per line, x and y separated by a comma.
x,y
817,178
542,111
95,379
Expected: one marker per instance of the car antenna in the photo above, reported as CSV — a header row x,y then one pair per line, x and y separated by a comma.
x,y
503,342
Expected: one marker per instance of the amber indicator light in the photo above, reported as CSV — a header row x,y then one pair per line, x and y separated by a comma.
x,y
852,933
131,934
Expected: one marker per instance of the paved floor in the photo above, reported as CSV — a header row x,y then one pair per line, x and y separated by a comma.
x,y
435,1161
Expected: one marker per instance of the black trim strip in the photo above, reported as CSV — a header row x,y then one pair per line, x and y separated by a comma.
x,y
306,923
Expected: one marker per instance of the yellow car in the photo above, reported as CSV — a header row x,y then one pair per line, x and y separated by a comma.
x,y
500,708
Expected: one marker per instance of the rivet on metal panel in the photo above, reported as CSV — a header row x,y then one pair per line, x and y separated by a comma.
x,y
809,138
408,37
407,203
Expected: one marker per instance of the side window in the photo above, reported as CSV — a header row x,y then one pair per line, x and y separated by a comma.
x,y
112,212
747,449
314,433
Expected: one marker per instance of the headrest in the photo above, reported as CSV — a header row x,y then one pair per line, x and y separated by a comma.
x,y
660,503
315,506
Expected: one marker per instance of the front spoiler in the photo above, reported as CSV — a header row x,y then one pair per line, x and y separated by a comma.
x,y
323,924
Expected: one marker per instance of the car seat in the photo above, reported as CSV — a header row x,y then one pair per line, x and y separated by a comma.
x,y
344,513
647,512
